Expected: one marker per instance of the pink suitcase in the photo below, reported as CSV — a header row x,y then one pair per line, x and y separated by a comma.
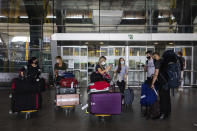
x,y
67,99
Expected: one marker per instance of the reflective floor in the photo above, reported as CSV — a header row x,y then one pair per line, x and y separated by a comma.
x,y
184,115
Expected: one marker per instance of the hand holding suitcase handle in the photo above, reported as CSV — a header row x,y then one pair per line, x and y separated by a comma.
x,y
156,93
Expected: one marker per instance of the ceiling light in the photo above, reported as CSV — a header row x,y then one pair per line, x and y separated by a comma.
x,y
171,43
160,16
101,43
132,18
20,39
156,43
51,17
3,16
86,43
24,17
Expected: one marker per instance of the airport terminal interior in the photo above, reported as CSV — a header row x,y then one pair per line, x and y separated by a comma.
x,y
81,31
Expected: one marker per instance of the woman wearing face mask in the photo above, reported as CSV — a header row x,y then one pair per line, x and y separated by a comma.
x,y
59,66
122,70
33,69
101,66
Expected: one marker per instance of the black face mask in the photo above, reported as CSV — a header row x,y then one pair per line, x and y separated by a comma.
x,y
148,57
36,63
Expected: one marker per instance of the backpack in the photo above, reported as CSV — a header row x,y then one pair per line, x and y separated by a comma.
x,y
172,69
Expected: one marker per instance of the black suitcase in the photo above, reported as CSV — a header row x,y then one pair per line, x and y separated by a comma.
x,y
25,86
22,102
24,96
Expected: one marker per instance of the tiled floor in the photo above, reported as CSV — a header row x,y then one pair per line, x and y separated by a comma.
x,y
184,115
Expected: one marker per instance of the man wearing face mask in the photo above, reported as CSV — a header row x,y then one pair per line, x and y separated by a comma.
x,y
149,67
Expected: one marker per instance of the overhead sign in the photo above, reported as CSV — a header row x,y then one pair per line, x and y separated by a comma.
x,y
124,37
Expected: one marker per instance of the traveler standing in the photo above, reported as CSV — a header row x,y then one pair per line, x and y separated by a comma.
x,y
121,72
164,93
149,67
182,64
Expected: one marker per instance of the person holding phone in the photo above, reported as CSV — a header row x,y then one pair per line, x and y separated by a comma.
x,y
101,66
149,67
102,69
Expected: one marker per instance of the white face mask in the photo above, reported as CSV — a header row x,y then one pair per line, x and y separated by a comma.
x,y
122,62
103,63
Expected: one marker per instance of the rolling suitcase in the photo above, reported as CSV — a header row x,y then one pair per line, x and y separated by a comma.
x,y
67,99
128,96
24,97
105,103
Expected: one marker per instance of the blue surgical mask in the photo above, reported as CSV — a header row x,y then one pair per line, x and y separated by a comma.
x,y
122,62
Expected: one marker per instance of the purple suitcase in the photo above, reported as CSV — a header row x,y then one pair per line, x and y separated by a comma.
x,y
105,103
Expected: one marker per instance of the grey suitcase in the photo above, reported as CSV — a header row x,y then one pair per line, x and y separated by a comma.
x,y
128,96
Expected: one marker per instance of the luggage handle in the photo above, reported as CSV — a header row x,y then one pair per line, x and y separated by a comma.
x,y
155,91
72,85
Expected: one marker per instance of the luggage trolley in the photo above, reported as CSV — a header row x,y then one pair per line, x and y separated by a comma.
x,y
26,113
67,97
26,100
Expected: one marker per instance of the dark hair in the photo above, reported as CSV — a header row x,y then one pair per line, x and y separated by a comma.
x,y
119,65
149,52
31,60
102,57
156,53
58,57
180,53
